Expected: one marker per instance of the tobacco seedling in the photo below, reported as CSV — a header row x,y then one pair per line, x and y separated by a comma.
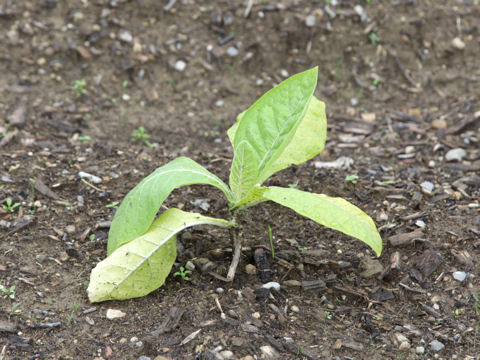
x,y
9,205
286,126
183,273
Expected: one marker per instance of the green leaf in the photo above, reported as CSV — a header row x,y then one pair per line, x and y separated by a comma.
x,y
335,213
308,141
244,169
138,209
141,266
269,125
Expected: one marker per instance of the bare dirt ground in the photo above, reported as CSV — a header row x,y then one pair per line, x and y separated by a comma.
x,y
401,81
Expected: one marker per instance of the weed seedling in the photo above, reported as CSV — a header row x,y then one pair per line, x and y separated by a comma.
x,y
9,205
84,138
8,291
141,135
286,126
373,37
183,273
270,236
351,178
112,205
79,88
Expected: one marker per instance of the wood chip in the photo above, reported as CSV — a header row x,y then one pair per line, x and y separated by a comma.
x,y
405,238
45,190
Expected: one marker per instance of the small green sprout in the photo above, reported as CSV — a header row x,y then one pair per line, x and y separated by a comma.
x,y
79,88
351,178
270,236
84,138
375,82
8,291
373,37
9,205
112,205
92,237
141,135
125,83
14,308
183,273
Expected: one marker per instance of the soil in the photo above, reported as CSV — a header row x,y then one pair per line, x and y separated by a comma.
x,y
401,81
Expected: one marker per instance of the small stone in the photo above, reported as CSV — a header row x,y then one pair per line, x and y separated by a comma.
x,y
292,283
190,266
439,124
41,61
419,350
370,267
269,353
284,73
115,314
125,36
420,224
358,9
455,154
250,269
409,149
459,275
437,346
78,16
143,357
92,178
133,339
232,51
41,258
125,97
404,345
219,103
271,285
219,290
310,20
256,315
295,308
431,164
226,354
70,229
458,43
427,187
180,65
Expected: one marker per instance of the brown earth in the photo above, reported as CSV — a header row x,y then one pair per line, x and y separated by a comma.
x,y
402,87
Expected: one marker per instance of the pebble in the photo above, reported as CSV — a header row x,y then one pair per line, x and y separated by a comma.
x,y
271,285
180,65
455,154
92,178
370,267
404,345
232,51
190,266
310,21
419,350
125,35
292,283
219,103
269,353
295,308
439,124
437,346
226,354
459,275
427,187
219,290
41,258
143,357
114,314
284,73
250,269
458,43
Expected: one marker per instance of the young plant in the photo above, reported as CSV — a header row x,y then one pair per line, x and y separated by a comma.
x,y
183,273
141,135
8,291
9,205
79,88
285,126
